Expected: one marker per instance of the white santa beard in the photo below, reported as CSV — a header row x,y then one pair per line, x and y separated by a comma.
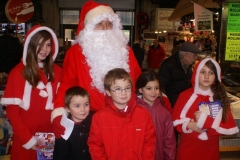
x,y
104,50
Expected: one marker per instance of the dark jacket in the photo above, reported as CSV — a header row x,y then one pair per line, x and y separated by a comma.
x,y
166,141
139,53
75,147
11,51
173,79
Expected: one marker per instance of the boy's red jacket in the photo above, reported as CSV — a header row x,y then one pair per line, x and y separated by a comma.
x,y
118,135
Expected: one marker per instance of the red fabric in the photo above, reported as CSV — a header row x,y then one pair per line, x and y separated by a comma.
x,y
57,128
76,73
26,123
166,103
85,9
166,141
155,56
190,143
115,136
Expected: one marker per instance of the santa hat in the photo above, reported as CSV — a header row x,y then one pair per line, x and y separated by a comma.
x,y
197,90
91,10
31,33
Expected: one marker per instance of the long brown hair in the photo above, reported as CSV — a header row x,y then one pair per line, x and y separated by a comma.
x,y
31,70
219,91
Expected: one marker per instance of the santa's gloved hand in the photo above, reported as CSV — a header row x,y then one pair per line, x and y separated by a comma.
x,y
57,128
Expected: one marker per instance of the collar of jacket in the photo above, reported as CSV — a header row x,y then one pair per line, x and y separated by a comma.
x,y
131,106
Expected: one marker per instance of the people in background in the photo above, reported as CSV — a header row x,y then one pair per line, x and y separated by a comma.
x,y
138,52
156,54
10,51
30,91
148,90
202,113
178,44
100,46
122,129
176,71
77,102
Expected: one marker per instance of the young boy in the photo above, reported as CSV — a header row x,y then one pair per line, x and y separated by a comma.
x,y
75,147
122,129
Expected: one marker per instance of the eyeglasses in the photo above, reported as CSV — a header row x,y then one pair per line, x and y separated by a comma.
x,y
104,25
119,90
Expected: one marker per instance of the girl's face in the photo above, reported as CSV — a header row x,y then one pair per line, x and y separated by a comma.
x,y
120,93
45,50
206,78
79,108
150,92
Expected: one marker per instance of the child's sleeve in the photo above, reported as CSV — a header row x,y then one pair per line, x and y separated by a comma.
x,y
21,132
217,126
95,142
149,146
180,123
169,150
61,149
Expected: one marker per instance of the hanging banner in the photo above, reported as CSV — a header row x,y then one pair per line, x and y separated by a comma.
x,y
203,18
232,52
19,11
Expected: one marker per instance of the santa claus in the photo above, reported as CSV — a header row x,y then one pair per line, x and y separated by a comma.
x,y
99,47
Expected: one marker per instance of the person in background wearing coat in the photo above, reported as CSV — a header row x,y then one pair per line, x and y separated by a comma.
x,y
10,51
156,55
122,129
176,71
138,52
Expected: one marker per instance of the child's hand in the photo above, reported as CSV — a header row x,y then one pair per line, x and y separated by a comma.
x,y
197,115
192,125
33,147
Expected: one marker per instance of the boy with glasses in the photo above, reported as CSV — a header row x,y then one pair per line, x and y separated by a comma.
x,y
122,129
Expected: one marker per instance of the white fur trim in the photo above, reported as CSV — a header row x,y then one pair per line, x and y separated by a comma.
x,y
180,121
229,131
43,93
30,143
93,13
217,120
26,95
184,127
40,85
203,136
28,39
58,86
188,105
49,104
58,112
9,101
201,120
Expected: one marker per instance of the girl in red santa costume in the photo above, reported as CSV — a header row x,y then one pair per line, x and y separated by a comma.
x,y
202,113
30,91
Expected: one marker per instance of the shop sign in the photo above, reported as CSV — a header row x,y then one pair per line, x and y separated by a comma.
x,y
203,18
19,11
232,52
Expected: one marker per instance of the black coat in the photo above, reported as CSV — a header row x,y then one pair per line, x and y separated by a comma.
x,y
139,53
173,79
10,52
75,147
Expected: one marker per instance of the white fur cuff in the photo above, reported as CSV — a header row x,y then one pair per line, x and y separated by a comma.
x,y
203,136
201,120
58,112
30,143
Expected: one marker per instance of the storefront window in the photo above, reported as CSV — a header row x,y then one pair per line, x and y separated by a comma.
x,y
69,16
127,18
